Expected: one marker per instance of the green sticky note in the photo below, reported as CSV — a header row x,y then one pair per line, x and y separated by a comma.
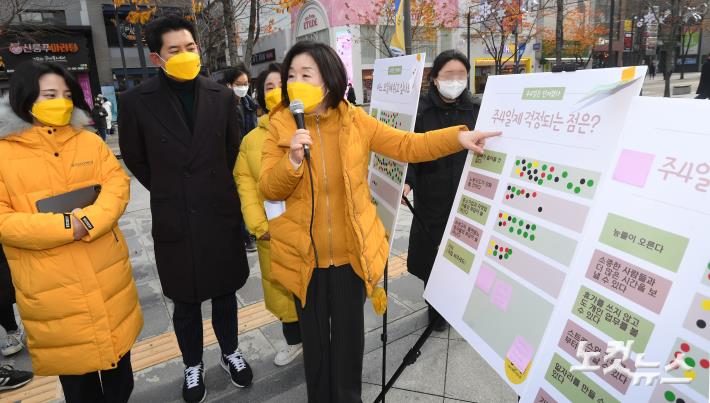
x,y
652,244
576,386
458,255
544,93
474,209
613,319
491,161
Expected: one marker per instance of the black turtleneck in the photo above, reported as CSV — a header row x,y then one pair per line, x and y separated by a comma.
x,y
185,91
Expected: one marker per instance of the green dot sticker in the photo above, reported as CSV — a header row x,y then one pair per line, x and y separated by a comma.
x,y
529,164
540,181
520,231
511,229
514,220
690,362
544,167
570,185
532,237
495,253
564,174
512,189
525,234
590,183
517,162
549,177
577,189
518,193
670,396
533,227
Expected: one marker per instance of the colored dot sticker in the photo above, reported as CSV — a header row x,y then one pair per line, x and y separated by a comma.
x,y
689,374
590,183
685,347
577,189
701,323
570,185
690,362
544,167
706,305
532,237
564,174
704,363
517,162
670,396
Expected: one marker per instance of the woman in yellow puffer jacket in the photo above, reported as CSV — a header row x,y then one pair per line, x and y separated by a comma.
x,y
74,288
278,300
329,246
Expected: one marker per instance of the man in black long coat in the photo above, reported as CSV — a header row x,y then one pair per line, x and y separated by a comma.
x,y
179,136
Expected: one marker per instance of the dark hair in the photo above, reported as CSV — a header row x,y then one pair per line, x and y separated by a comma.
x,y
330,66
155,29
261,81
445,57
230,75
24,87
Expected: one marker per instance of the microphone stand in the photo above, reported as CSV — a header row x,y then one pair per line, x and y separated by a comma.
x,y
414,353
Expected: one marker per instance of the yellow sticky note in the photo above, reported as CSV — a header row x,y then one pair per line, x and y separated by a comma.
x,y
628,73
706,305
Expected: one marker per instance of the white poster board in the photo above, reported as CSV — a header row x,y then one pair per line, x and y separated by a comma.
x,y
396,85
644,272
523,209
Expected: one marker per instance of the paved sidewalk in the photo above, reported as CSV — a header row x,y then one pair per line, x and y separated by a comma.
x,y
449,370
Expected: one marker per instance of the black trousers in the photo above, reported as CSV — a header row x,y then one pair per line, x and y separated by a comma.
x,y
7,318
333,334
292,333
187,321
109,386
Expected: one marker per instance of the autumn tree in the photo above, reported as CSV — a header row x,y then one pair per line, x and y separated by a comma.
x,y
427,17
670,16
581,33
496,22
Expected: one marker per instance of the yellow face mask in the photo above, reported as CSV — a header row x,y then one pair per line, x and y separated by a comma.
x,y
273,98
183,66
311,95
53,112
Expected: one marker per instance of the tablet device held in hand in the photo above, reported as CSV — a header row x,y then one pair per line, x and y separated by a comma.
x,y
66,202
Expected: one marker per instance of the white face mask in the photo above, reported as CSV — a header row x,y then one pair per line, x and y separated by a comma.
x,y
451,89
241,91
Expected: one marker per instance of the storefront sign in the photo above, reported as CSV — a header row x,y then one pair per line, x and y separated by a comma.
x,y
70,51
311,19
263,57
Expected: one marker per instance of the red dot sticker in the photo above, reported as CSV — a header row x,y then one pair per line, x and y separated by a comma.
x,y
552,169
542,175
685,347
507,197
500,215
534,194
704,363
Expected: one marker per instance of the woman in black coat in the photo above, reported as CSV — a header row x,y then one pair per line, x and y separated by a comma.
x,y
447,103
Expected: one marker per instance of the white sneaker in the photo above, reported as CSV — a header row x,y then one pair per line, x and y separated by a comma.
x,y
14,342
288,354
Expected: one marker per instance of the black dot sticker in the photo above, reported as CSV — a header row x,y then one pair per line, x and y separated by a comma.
x,y
557,178
530,177
508,187
539,209
535,171
527,226
582,181
527,195
701,323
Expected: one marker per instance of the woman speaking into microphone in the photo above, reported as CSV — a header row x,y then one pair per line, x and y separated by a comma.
x,y
328,247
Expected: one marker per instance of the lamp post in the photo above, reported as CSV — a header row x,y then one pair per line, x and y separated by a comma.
x,y
611,33
119,35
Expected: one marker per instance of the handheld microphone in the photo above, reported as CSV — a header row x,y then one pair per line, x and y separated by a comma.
x,y
297,109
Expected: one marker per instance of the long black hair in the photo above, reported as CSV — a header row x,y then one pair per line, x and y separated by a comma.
x,y
24,87
261,81
331,69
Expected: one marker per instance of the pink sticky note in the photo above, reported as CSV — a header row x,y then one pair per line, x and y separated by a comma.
x,y
633,167
520,353
501,295
485,278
